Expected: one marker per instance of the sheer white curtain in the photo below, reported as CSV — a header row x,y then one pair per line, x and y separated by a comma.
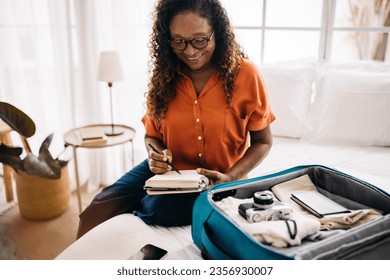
x,y
34,65
49,52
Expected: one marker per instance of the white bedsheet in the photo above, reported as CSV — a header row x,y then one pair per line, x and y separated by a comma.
x,y
122,236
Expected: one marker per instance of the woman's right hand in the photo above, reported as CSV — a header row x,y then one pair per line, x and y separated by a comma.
x,y
158,162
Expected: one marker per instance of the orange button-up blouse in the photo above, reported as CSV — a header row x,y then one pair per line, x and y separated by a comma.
x,y
205,131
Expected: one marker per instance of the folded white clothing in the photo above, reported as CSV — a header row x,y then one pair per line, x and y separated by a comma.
x,y
347,221
275,233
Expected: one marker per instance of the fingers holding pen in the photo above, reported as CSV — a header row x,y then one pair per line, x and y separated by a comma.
x,y
158,162
168,154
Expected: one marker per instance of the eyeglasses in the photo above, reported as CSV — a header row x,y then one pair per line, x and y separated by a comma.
x,y
197,43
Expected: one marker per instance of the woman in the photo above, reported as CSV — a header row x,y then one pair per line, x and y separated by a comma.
x,y
207,109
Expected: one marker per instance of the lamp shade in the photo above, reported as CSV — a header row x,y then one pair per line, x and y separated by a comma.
x,y
110,68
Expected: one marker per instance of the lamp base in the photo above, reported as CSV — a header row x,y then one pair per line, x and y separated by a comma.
x,y
113,133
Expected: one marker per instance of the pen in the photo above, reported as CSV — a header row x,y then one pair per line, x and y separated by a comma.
x,y
167,162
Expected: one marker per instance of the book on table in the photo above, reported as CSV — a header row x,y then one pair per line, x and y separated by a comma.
x,y
90,133
172,182
92,136
318,204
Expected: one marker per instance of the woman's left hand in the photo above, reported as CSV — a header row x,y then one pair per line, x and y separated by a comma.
x,y
215,177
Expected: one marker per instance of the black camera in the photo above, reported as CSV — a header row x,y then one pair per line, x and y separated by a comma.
x,y
264,208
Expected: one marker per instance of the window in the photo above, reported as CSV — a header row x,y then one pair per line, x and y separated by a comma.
x,y
339,30
361,30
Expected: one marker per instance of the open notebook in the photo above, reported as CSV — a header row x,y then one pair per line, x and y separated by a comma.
x,y
172,182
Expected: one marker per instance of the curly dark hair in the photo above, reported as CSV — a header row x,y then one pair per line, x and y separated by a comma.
x,y
163,64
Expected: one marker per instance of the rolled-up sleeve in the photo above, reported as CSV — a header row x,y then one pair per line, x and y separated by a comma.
x,y
151,127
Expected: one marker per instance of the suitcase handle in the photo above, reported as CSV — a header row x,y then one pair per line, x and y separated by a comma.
x,y
212,248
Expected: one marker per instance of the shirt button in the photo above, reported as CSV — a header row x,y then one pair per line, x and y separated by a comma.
x,y
199,137
197,120
196,102
200,154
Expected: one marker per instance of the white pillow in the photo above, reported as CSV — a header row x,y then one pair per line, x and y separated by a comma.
x,y
289,89
351,107
362,66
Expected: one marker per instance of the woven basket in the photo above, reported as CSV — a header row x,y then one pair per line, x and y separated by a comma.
x,y
41,198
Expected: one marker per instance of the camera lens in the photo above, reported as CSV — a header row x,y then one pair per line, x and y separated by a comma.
x,y
256,218
263,199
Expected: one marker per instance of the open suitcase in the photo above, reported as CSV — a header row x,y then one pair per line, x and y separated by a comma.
x,y
218,237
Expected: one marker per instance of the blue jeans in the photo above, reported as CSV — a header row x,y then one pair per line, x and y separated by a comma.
x,y
127,195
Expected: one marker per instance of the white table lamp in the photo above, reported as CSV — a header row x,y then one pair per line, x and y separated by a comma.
x,y
110,70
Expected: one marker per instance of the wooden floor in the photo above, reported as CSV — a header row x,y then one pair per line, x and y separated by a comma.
x,y
42,240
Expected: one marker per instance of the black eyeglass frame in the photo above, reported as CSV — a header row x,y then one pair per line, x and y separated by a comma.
x,y
207,38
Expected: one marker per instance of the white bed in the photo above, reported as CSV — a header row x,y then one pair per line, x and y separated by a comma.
x,y
332,130
122,236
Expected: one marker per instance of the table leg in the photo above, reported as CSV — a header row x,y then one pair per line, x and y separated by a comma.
x,y
8,183
76,168
7,170
124,165
132,152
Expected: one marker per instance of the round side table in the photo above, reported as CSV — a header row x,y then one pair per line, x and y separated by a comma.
x,y
74,138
